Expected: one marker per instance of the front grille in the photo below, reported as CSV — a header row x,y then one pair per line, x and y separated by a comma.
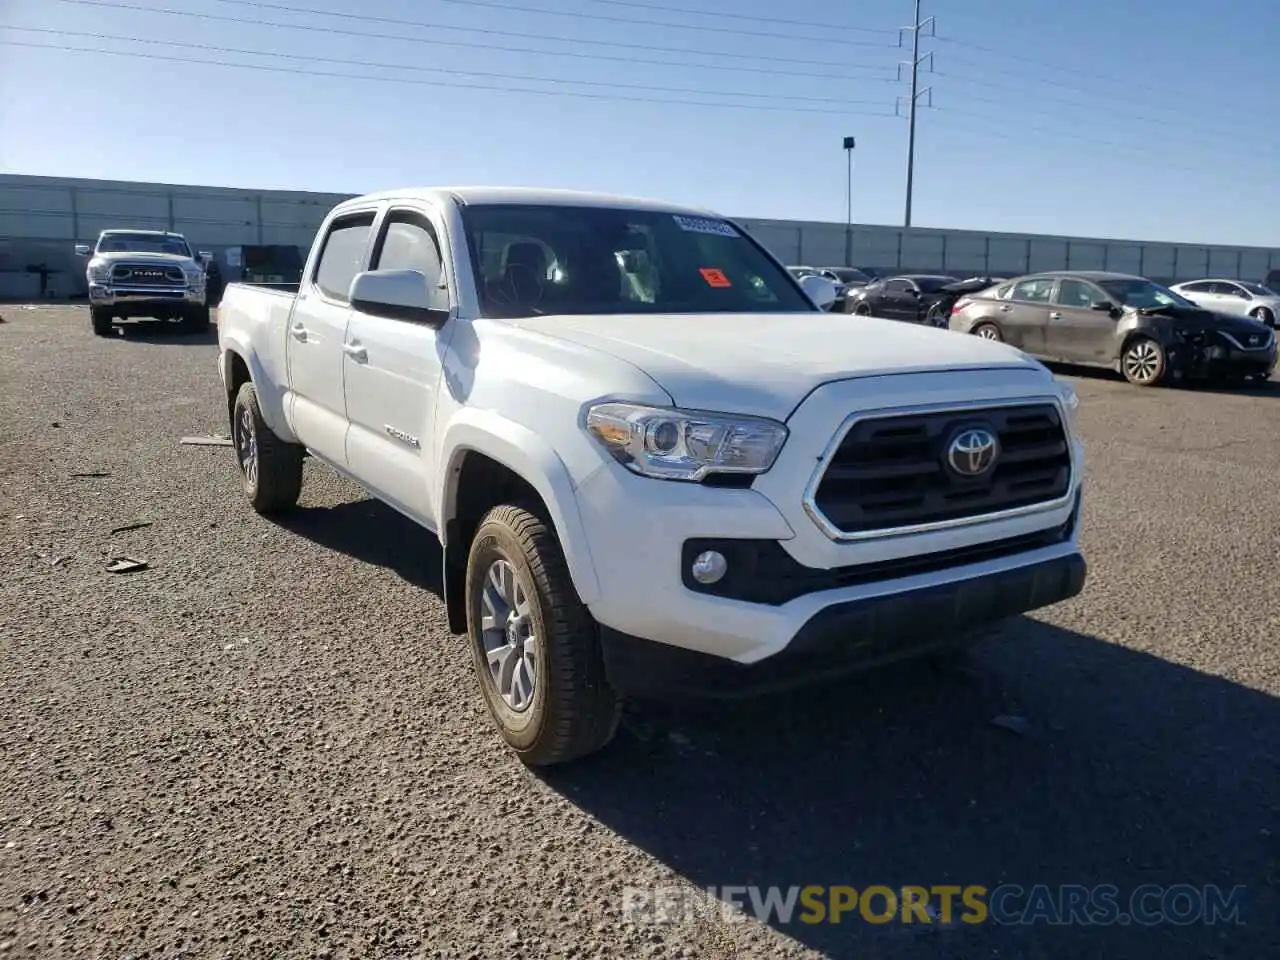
x,y
147,275
890,472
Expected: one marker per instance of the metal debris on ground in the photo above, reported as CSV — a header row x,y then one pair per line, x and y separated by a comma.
x,y
212,441
91,474
132,526
125,565
1012,723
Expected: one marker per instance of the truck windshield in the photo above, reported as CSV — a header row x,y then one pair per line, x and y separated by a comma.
x,y
143,243
535,259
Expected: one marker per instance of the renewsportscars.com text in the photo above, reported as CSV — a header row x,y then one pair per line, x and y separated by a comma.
x,y
1008,904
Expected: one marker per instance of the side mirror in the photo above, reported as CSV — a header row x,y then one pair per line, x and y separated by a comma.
x,y
913,292
396,295
1103,306
820,290
82,249
204,256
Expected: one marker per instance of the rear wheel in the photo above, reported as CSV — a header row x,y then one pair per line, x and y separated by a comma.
x,y
535,646
101,320
1264,315
862,310
987,331
1143,362
937,316
270,468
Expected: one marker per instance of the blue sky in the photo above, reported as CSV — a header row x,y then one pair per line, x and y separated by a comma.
x,y
1115,119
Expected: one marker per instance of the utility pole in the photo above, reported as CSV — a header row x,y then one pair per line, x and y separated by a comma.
x,y
917,25
849,144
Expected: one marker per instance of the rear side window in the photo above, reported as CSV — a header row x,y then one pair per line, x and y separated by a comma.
x,y
1002,292
343,255
1035,291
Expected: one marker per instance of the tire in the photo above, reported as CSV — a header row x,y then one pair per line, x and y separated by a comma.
x,y
1264,315
936,318
571,710
270,468
101,321
862,310
987,331
1143,362
196,320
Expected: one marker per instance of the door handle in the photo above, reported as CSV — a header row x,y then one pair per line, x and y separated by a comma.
x,y
298,331
1055,316
1005,308
356,352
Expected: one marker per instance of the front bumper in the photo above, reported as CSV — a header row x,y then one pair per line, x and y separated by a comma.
x,y
1209,358
141,300
848,635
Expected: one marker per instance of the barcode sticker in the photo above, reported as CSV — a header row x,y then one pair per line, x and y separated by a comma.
x,y
716,228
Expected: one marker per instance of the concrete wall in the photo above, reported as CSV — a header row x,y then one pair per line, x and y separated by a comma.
x,y
42,218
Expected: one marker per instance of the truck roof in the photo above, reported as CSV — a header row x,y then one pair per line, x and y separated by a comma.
x,y
528,195
140,233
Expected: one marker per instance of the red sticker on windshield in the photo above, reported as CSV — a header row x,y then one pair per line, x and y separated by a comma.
x,y
715,277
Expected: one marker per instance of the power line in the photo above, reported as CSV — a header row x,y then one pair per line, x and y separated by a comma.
x,y
524,77
315,28
441,83
833,27
1104,147
519,8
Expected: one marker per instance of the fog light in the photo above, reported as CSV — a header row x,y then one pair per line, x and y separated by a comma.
x,y
709,566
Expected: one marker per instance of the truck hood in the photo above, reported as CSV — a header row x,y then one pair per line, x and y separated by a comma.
x,y
766,364
166,258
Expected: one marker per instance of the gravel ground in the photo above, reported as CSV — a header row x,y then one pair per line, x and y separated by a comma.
x,y
266,744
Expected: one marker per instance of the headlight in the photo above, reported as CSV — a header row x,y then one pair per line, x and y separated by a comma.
x,y
683,444
1071,403
99,271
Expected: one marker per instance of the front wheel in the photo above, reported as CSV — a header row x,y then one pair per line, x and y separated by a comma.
x,y
270,468
535,646
101,321
1143,362
862,310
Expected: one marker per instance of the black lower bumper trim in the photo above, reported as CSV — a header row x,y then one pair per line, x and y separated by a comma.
x,y
848,636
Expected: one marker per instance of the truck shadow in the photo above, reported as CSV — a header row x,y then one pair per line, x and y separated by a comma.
x,y
1269,389
165,332
372,532
1130,770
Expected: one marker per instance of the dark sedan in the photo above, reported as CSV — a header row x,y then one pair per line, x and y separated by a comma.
x,y
1145,331
908,297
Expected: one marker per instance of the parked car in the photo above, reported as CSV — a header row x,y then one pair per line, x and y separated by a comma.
x,y
1234,296
939,314
145,273
908,297
687,479
1146,331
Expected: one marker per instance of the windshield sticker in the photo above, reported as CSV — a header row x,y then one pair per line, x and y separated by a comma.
x,y
715,278
717,228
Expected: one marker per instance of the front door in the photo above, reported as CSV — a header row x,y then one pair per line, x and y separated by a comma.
x,y
1076,332
317,328
900,300
392,370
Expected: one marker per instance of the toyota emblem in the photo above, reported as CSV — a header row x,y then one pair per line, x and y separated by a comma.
x,y
973,451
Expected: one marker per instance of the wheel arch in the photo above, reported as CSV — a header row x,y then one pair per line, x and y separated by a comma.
x,y
242,365
490,460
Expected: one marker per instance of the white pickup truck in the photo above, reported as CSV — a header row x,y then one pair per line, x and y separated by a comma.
x,y
145,273
652,461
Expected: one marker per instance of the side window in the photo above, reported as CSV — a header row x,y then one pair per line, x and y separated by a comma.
x,y
1200,287
1035,291
342,255
409,243
896,287
1075,293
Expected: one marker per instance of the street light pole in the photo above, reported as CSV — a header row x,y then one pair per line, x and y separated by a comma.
x,y
849,144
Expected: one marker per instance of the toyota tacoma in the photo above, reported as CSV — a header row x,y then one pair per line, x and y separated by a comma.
x,y
653,463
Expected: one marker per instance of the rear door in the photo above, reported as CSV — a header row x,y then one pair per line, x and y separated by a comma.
x,y
1024,315
1076,332
393,368
317,327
